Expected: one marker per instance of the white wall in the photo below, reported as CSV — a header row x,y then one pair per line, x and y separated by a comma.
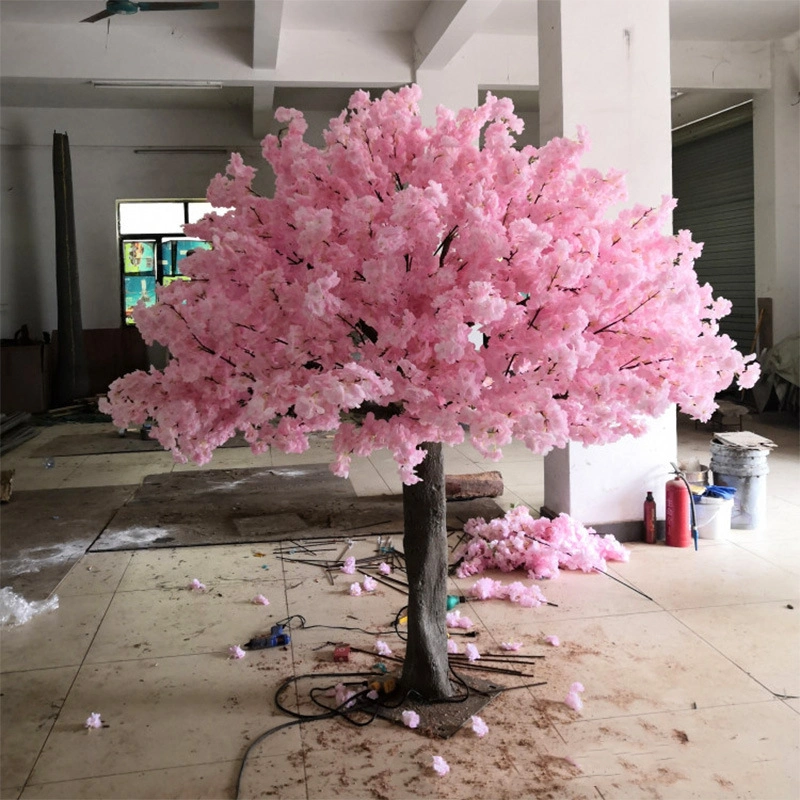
x,y
104,169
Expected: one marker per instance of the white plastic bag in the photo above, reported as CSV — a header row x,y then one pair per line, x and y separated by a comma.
x,y
15,610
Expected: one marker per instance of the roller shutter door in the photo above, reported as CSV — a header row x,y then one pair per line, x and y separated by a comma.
x,y
712,178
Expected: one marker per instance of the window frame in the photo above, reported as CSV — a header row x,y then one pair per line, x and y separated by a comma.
x,y
158,239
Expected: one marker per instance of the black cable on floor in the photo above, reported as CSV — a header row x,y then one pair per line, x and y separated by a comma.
x,y
305,626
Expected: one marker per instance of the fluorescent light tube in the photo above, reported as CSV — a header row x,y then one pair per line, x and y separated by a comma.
x,y
142,84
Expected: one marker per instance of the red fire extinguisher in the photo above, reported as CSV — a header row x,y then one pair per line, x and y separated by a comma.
x,y
678,529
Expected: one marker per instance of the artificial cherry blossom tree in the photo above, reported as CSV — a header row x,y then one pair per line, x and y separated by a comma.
x,y
406,287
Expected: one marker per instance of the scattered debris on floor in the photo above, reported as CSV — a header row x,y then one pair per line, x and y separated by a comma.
x,y
15,429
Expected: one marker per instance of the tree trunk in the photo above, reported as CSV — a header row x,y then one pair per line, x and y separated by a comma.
x,y
425,669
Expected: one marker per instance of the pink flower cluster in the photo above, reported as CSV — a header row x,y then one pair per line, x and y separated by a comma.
x,y
410,718
93,721
364,277
517,592
573,698
349,566
369,584
539,546
454,619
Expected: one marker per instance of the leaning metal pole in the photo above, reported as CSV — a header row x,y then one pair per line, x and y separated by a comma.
x,y
71,370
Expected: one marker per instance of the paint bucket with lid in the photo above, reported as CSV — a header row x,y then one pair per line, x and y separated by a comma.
x,y
745,470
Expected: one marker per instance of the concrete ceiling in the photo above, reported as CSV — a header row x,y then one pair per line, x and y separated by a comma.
x,y
265,25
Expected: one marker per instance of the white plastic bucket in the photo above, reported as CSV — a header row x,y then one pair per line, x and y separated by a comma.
x,y
713,516
746,471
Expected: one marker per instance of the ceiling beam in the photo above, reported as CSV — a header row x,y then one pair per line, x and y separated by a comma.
x,y
445,27
266,33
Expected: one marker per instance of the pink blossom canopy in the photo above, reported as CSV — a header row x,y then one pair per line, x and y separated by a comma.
x,y
451,285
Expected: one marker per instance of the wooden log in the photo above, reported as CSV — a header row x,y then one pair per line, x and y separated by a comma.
x,y
471,486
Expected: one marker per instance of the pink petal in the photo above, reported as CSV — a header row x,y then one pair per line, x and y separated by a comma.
x,y
259,599
511,645
440,765
93,721
479,726
452,646
349,566
370,584
355,589
553,640
382,648
472,652
384,568
195,584
410,719
235,651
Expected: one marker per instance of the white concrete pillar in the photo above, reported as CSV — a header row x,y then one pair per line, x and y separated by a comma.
x,y
605,64
776,162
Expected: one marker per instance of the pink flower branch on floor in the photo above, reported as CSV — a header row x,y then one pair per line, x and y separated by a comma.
x,y
539,546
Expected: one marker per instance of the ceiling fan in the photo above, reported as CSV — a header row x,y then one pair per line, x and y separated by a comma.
x,y
114,7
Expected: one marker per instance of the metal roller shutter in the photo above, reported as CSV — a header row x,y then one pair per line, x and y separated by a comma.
x,y
712,178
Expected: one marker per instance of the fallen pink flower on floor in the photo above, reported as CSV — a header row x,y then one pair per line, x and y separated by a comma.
x,y
452,646
526,596
440,765
355,589
455,620
349,566
538,546
553,640
372,695
472,652
510,645
573,698
235,651
343,695
382,648
197,586
260,600
384,568
93,721
410,719
487,588
479,726
370,584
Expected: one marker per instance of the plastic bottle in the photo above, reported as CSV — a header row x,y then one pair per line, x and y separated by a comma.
x,y
650,519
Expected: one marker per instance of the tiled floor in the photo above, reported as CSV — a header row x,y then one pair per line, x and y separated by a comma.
x,y
689,694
